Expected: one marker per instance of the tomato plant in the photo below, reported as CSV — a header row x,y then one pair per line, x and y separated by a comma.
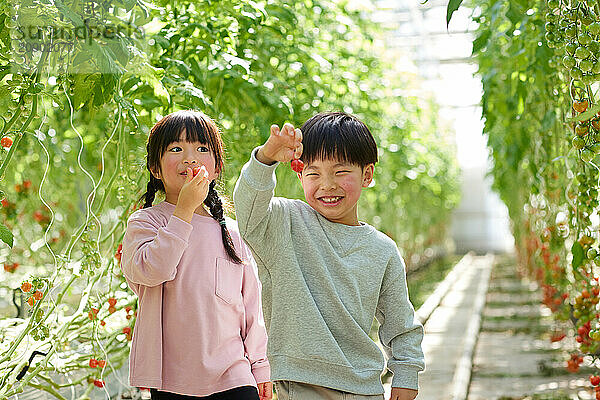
x,y
538,61
77,116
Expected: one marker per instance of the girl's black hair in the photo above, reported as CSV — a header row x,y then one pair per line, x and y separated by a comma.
x,y
339,136
198,127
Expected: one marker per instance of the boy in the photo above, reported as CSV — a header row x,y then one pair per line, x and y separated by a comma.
x,y
325,275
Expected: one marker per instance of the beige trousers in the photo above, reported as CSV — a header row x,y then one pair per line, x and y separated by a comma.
x,y
287,390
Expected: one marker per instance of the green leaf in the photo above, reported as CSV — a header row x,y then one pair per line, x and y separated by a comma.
x,y
82,89
481,41
452,6
577,251
6,235
67,12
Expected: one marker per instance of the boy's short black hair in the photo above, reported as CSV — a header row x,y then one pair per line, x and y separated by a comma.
x,y
340,136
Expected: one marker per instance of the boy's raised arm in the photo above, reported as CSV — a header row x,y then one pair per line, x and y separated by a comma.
x,y
256,209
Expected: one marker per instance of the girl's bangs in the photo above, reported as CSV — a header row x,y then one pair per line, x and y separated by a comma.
x,y
186,127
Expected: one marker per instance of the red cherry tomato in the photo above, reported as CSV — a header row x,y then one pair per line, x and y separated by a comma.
x,y
26,287
6,142
98,383
297,165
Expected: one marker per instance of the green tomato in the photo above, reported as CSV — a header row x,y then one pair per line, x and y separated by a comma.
x,y
578,142
553,4
586,65
591,253
571,31
575,73
588,79
571,47
587,155
584,38
582,53
594,28
594,47
569,62
585,19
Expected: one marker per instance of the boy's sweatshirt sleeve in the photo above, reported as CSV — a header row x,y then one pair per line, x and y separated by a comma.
x,y
400,332
151,252
260,216
255,333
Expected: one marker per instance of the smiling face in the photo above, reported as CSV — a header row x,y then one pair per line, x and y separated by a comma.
x,y
178,156
333,187
179,140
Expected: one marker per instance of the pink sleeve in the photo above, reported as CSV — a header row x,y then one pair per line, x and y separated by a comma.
x,y
255,335
151,252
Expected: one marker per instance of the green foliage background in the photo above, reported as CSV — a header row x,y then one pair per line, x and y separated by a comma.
x,y
79,117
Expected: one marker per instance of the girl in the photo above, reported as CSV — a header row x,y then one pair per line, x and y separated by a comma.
x,y
199,332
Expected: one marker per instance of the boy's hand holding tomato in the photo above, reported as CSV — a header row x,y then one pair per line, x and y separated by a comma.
x,y
283,145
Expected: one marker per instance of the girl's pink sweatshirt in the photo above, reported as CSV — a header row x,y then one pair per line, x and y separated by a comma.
x,y
199,327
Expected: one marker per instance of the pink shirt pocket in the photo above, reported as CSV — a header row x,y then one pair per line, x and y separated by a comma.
x,y
228,281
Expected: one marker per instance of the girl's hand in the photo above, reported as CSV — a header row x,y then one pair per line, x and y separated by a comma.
x,y
192,194
282,146
265,391
403,394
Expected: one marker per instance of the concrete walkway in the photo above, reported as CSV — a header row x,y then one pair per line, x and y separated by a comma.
x,y
487,338
515,358
448,344
448,315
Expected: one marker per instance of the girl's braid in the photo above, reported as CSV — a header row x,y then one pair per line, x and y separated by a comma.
x,y
213,202
150,192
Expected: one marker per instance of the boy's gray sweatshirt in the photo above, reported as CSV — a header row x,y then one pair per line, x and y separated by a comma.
x,y
322,284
